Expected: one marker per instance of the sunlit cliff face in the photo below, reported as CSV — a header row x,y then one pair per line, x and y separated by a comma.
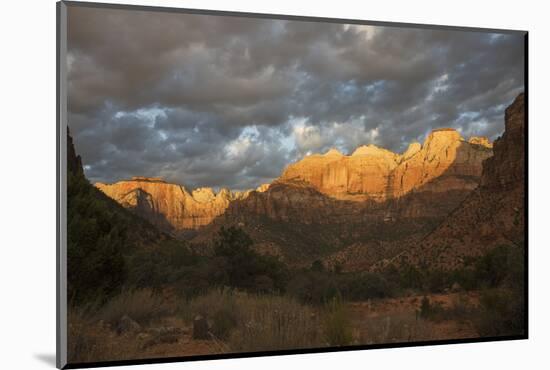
x,y
445,162
179,208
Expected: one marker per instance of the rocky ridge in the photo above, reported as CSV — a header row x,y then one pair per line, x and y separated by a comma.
x,y
443,162
318,188
492,215
170,206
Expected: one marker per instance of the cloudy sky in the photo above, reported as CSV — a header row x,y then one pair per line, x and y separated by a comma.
x,y
228,101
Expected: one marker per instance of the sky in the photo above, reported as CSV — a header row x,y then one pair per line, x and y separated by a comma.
x,y
218,101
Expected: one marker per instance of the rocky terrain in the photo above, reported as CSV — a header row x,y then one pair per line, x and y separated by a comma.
x,y
492,215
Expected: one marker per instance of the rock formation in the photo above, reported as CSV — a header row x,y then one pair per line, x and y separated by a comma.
x,y
74,162
492,215
480,140
370,184
170,206
444,162
507,168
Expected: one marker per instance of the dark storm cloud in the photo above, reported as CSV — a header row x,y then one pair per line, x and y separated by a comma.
x,y
227,101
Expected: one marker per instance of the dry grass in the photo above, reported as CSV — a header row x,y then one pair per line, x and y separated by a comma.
x,y
90,326
142,306
396,328
82,343
241,322
257,323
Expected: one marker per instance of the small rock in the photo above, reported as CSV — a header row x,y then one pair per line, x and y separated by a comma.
x,y
127,325
200,327
456,287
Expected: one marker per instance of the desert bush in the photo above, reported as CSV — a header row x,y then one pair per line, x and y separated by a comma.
x,y
317,266
314,287
141,305
359,287
431,310
501,266
337,324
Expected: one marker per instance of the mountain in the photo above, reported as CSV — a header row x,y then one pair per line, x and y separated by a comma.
x,y
444,162
169,206
492,215
436,203
374,203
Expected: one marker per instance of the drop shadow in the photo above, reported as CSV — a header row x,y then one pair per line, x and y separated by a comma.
x,y
46,358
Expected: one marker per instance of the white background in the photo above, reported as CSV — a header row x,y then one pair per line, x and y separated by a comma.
x,y
27,183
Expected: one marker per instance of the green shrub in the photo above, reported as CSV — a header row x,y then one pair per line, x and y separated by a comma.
x,y
95,237
313,287
337,324
243,268
360,287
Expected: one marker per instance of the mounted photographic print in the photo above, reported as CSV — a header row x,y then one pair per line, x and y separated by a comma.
x,y
235,184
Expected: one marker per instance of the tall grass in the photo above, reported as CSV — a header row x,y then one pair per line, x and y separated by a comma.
x,y
141,305
82,344
337,325
397,328
86,336
255,322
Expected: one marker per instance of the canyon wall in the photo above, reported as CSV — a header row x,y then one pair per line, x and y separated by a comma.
x,y
328,188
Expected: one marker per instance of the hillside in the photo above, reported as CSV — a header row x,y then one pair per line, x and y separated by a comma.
x,y
492,215
103,238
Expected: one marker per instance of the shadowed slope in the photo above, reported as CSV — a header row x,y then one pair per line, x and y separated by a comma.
x,y
494,214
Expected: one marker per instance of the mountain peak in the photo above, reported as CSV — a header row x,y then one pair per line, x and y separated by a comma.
x,y
442,137
147,179
480,140
333,152
372,150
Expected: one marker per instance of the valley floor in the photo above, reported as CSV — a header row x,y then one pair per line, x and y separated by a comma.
x,y
243,323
